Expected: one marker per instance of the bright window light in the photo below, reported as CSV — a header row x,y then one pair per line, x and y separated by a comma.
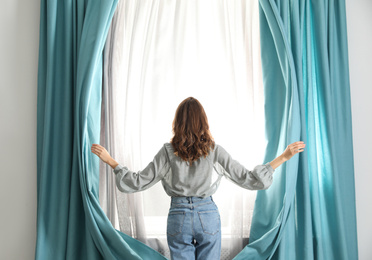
x,y
212,54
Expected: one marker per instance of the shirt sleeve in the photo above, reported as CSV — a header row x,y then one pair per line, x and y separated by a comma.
x,y
260,178
129,181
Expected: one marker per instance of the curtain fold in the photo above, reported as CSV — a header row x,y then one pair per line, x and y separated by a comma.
x,y
70,222
310,209
309,212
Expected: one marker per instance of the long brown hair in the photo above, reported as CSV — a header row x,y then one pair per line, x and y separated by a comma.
x,y
192,138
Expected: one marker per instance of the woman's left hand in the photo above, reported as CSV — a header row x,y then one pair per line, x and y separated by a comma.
x,y
101,152
104,155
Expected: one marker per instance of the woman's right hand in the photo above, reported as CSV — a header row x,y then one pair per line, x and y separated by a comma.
x,y
292,149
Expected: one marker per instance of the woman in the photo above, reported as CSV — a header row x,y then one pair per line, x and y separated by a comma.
x,y
185,167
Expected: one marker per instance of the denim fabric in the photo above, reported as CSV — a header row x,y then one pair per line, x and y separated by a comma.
x,y
194,229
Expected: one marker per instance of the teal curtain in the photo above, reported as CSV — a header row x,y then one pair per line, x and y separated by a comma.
x,y
70,223
309,212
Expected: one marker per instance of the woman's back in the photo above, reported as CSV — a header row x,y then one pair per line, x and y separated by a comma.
x,y
191,167
199,179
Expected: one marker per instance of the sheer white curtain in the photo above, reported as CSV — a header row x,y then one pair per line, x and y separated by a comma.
x,y
158,53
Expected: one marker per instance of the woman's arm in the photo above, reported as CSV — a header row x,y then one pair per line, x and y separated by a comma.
x,y
292,149
102,153
129,181
261,176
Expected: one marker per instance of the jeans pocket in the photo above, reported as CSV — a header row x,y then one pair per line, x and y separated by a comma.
x,y
210,221
175,222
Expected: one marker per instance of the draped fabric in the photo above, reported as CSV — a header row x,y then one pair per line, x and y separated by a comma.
x,y
158,53
70,223
309,212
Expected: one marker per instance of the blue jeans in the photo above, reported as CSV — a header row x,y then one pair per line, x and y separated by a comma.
x,y
194,229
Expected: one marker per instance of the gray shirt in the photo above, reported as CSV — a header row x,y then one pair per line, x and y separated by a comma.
x,y
201,179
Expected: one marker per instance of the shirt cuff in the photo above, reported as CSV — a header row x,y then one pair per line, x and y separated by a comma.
x,y
118,169
269,168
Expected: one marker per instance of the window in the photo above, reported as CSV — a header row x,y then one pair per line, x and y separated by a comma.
x,y
161,52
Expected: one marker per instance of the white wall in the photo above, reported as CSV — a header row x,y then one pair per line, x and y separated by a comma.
x,y
19,23
359,15
19,30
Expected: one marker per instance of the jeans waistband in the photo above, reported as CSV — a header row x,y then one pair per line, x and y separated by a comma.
x,y
190,200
